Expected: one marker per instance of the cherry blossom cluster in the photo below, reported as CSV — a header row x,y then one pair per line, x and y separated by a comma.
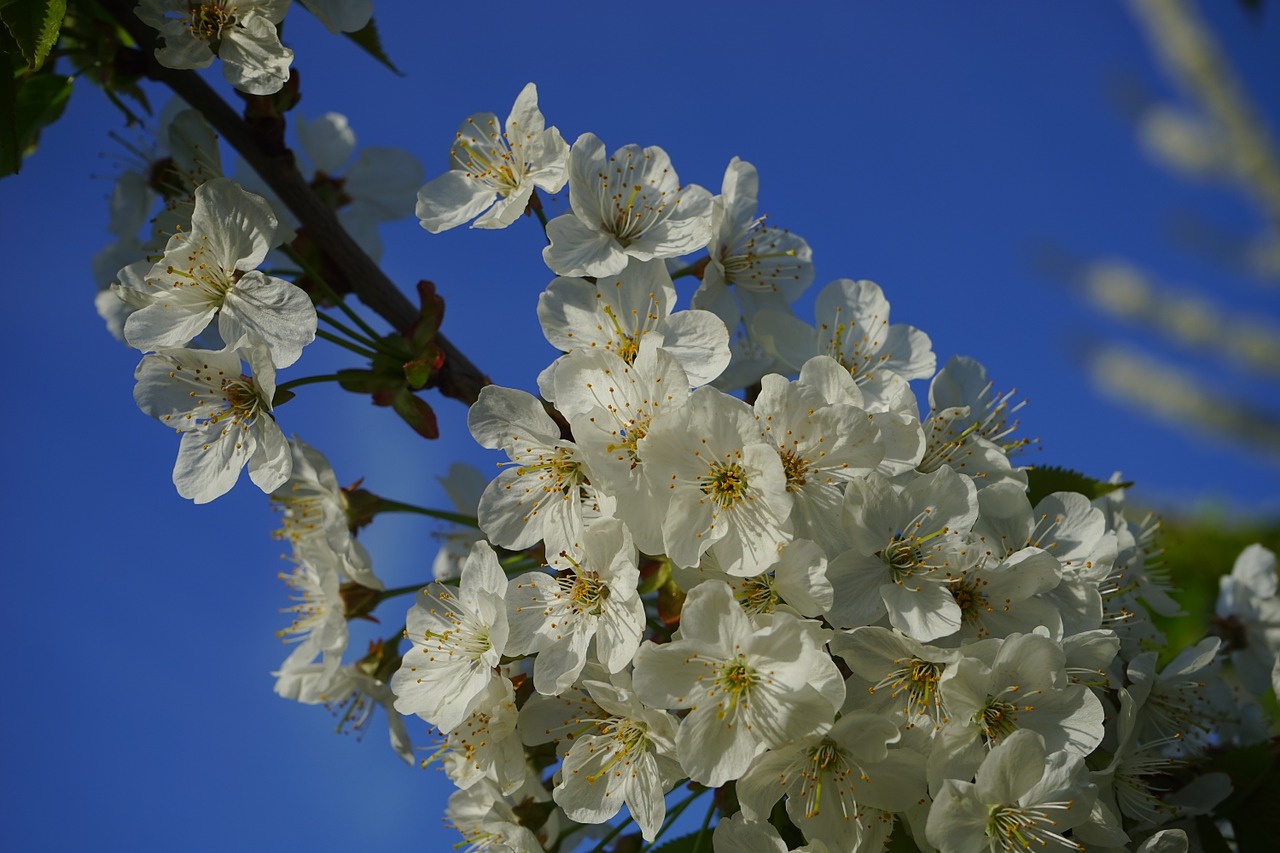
x,y
729,551
876,624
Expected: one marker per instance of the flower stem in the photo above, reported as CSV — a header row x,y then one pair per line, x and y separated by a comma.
x,y
400,590
385,505
306,380
706,822
363,340
346,344
324,285
613,833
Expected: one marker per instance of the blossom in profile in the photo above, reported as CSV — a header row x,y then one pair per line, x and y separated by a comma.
x,y
492,172
750,265
242,33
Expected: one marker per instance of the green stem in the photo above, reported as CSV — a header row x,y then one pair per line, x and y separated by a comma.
x,y
706,822
315,276
599,848
346,344
400,590
306,380
683,271
385,505
354,335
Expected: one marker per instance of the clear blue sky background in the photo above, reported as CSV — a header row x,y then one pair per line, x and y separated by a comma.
x,y
931,152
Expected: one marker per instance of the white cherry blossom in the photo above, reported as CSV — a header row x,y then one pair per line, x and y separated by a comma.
x,y
906,549
211,270
750,266
853,328
313,506
1023,796
545,493
628,205
830,778
727,489
224,417
241,33
493,173
458,637
619,311
591,604
746,689
626,756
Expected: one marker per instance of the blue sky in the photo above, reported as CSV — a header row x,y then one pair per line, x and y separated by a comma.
x,y
932,153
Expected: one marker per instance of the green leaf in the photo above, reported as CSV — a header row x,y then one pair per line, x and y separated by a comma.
x,y
417,372
34,25
412,409
1255,779
683,844
1211,840
367,381
37,101
369,41
10,151
1044,481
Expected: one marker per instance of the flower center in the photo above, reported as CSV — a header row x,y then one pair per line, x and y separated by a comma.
x,y
726,484
967,591
757,594
826,764
997,720
494,166
918,679
903,557
855,345
208,20
636,201
1016,828
562,465
588,594
240,401
795,467
736,678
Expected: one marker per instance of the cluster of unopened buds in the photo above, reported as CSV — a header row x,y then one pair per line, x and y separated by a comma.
x,y
730,556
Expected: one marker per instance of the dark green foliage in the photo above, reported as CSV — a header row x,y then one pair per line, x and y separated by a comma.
x,y
34,25
371,44
1044,481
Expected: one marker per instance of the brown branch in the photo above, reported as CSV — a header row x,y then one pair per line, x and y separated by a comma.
x,y
457,376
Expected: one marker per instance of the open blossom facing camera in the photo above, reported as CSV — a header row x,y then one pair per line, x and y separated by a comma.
x,y
458,637
494,172
620,311
212,270
242,33
224,417
626,205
